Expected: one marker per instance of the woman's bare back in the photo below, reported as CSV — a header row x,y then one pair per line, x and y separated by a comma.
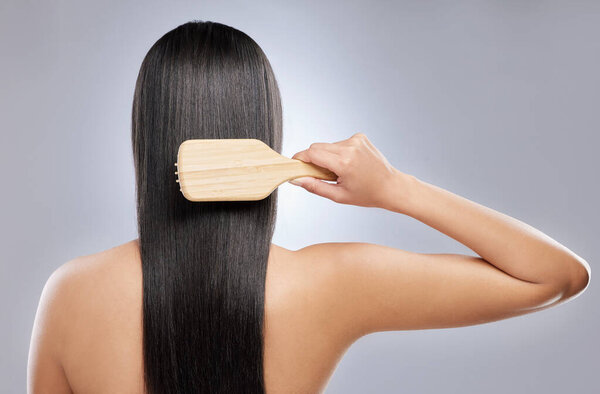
x,y
100,343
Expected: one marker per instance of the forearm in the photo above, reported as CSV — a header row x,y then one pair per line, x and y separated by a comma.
x,y
509,244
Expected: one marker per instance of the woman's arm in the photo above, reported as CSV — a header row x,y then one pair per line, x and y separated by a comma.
x,y
510,245
375,288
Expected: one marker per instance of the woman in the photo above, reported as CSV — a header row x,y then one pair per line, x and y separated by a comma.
x,y
204,302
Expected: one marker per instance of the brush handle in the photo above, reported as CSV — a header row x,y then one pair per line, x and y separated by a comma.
x,y
237,169
297,168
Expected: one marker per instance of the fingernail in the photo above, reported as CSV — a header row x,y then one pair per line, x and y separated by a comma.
x,y
295,182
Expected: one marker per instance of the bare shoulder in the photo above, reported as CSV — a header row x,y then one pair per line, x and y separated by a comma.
x,y
306,327
78,300
91,280
84,274
302,270
123,258
306,286
90,284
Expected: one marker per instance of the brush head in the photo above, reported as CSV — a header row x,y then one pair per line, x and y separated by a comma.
x,y
236,169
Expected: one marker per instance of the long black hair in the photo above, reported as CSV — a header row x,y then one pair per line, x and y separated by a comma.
x,y
203,263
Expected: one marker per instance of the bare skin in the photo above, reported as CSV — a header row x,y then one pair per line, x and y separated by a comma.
x,y
321,298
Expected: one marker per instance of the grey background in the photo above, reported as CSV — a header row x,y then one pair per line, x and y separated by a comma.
x,y
494,100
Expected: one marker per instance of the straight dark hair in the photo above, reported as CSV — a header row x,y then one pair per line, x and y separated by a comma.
x,y
204,263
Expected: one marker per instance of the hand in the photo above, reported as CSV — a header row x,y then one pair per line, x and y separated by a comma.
x,y
364,174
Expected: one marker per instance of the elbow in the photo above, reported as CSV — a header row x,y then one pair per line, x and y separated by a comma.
x,y
578,278
573,279
584,275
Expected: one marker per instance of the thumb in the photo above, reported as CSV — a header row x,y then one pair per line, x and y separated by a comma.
x,y
301,181
318,187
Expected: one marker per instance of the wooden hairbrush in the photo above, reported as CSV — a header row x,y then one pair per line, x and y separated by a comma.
x,y
237,169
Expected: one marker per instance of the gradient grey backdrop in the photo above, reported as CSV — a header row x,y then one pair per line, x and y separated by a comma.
x,y
497,101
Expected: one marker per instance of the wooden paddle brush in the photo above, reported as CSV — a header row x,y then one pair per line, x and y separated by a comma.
x,y
237,169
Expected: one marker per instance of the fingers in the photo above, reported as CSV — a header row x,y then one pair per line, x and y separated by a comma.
x,y
332,148
322,158
333,155
300,156
331,191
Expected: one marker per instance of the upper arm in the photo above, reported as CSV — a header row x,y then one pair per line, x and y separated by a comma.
x,y
377,288
44,371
